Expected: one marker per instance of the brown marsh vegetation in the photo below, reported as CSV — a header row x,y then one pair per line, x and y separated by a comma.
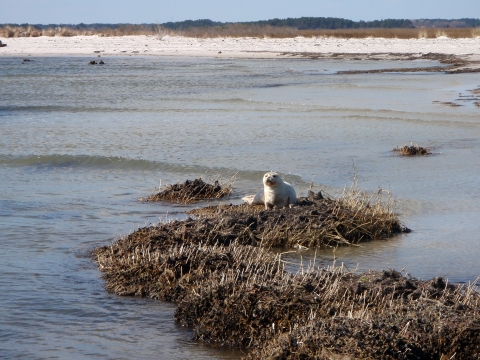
x,y
317,221
242,30
193,190
232,291
406,33
412,150
9,31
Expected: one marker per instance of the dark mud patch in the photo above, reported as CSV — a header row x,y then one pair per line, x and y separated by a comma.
x,y
452,64
475,91
447,103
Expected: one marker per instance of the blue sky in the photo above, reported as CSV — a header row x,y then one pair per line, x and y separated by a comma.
x,y
159,11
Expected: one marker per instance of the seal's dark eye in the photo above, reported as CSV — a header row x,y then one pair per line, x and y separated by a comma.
x,y
274,175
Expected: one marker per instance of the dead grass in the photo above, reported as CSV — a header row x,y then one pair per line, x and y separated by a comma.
x,y
238,31
232,291
348,219
413,150
242,296
243,30
430,33
353,217
121,30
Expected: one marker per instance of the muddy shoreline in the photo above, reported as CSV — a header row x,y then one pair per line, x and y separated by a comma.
x,y
453,64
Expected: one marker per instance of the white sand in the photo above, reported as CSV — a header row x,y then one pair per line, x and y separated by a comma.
x,y
229,47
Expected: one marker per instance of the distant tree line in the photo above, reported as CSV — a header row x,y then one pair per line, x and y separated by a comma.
x,y
313,23
303,23
202,23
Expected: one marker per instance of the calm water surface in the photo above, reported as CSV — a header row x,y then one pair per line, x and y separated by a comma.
x,y
80,144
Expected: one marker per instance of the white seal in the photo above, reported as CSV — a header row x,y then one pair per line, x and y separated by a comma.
x,y
276,192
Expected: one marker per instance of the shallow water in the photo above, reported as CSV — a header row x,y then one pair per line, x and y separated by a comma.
x,y
80,144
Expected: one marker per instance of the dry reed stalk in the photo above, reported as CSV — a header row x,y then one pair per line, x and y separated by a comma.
x,y
413,150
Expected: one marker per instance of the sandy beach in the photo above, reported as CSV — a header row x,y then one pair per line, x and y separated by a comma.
x,y
468,48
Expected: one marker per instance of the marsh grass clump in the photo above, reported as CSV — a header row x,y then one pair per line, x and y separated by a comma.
x,y
232,291
317,221
193,190
380,315
412,150
167,270
242,296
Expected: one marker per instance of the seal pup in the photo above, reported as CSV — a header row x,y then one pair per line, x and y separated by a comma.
x,y
277,192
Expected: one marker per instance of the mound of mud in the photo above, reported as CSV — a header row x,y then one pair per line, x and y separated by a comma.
x,y
192,191
412,150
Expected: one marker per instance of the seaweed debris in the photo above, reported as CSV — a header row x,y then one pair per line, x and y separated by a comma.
x,y
413,150
192,191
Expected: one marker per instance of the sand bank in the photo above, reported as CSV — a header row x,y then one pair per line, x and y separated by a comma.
x,y
230,47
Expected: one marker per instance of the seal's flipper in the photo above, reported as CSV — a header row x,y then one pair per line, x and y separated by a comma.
x,y
257,199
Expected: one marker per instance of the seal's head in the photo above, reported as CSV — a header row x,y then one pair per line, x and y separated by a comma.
x,y
272,179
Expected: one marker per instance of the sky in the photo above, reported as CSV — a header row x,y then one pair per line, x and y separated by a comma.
x,y
160,11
